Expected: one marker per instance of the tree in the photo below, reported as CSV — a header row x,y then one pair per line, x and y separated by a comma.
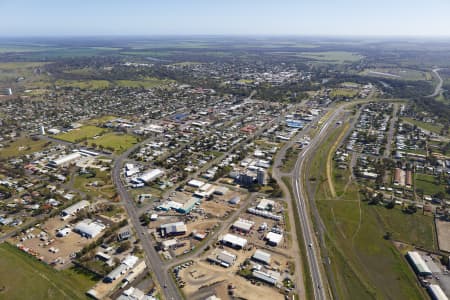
x,y
124,246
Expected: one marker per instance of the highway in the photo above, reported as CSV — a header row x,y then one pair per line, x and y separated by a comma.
x,y
438,88
313,252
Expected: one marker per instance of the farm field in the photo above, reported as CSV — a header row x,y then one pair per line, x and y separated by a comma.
x,y
83,84
332,56
77,135
23,277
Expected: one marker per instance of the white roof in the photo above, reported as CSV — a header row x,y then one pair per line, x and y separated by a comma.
x,y
262,256
130,261
436,292
75,207
270,277
151,175
242,224
89,228
264,203
65,159
274,238
195,183
234,240
226,257
174,227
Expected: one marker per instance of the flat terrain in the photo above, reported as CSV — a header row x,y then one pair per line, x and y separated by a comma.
x,y
364,264
443,232
332,56
21,146
77,135
23,277
114,141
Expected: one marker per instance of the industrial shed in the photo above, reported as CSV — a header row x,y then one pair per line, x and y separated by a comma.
x,y
64,160
150,175
262,256
71,210
170,229
89,228
418,263
233,241
243,225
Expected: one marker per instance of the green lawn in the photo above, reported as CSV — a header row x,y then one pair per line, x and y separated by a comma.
x,y
21,146
114,141
77,135
23,277
349,93
428,184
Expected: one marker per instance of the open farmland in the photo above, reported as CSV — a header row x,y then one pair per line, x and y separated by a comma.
x,y
23,277
332,56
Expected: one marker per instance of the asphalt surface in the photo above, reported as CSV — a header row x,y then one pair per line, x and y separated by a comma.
x,y
313,253
438,88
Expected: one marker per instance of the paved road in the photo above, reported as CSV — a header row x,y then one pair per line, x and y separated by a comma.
x,y
313,253
438,88
153,260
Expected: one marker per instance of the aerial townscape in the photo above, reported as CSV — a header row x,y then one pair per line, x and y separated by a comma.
x,y
221,166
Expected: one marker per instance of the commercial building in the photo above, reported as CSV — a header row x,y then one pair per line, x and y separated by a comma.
x,y
262,256
195,183
171,229
188,206
73,209
418,263
274,238
64,160
436,293
89,228
150,175
269,276
243,225
224,258
233,241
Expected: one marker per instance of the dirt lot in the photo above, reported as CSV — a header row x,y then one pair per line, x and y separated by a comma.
x,y
443,232
66,245
202,276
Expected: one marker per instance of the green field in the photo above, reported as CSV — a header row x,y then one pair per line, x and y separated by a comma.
x,y
77,135
436,128
83,84
347,93
21,146
363,263
105,189
23,277
148,83
332,56
428,184
115,142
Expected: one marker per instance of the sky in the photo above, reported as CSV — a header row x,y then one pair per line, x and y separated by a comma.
x,y
225,17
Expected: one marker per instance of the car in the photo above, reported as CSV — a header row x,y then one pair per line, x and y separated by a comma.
x,y
310,245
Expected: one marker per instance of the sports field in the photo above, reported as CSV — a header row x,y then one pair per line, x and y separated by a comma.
x,y
79,134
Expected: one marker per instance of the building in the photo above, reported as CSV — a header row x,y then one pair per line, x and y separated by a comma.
x,y
188,206
418,264
243,225
399,177
134,293
89,228
150,175
274,238
269,276
408,179
235,200
262,256
64,160
265,204
261,177
195,183
116,273
224,258
63,232
233,241
436,293
73,209
171,229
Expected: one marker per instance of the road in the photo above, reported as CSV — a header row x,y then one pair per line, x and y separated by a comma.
x,y
438,88
153,261
313,249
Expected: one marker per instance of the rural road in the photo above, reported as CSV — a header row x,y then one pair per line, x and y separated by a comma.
x,y
438,88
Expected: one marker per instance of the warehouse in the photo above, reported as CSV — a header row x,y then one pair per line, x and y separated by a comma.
x,y
418,263
195,183
243,225
273,238
436,293
226,258
170,229
150,175
64,160
269,276
73,209
188,206
262,256
89,228
233,241
265,204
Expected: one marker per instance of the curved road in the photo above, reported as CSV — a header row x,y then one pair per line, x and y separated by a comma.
x,y
438,88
